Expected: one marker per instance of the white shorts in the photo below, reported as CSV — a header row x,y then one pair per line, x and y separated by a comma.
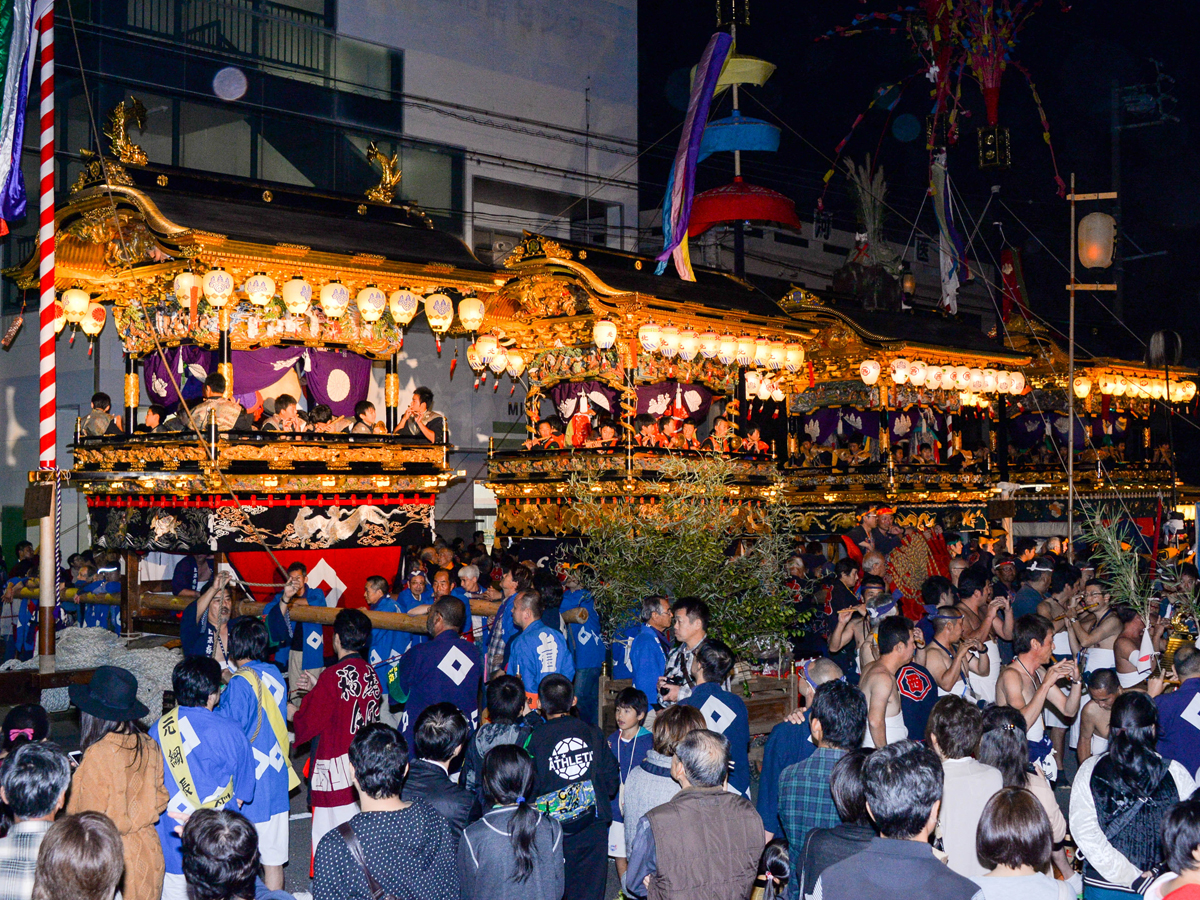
x,y
616,840
273,839
327,818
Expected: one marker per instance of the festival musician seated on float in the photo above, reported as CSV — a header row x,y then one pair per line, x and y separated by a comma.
x,y
646,433
668,432
753,443
420,420
722,439
548,437
322,420
155,415
100,421
608,435
924,456
286,416
366,419
688,438
229,414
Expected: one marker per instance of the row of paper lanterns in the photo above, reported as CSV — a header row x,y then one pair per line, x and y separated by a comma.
x,y
950,378
687,344
217,287
486,353
762,387
77,307
1136,388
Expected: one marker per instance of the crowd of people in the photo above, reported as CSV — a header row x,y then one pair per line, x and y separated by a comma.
x,y
468,762
279,414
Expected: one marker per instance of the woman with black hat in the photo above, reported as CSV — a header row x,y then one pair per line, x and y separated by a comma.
x,y
121,774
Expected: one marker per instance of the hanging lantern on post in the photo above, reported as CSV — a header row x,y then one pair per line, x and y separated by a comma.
x,y
371,303
650,337
260,288
297,295
604,334
335,297
470,313
218,286
1097,237
75,304
439,311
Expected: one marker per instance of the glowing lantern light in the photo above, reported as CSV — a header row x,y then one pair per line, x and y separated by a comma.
x,y
650,336
1017,384
962,376
934,377
1003,382
793,358
1082,386
500,361
371,303
403,306
60,317
776,356
689,345
218,286
297,295
516,363
727,349
1119,386
260,288
470,313
753,380
764,390
989,380
439,312
184,282
975,380
1097,235
75,304
1156,389
777,394
335,297
93,321
1189,390
709,343
899,370
762,352
745,351
486,346
604,334
917,373
473,359
869,372
669,341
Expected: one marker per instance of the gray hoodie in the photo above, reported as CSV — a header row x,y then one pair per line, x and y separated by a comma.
x,y
487,860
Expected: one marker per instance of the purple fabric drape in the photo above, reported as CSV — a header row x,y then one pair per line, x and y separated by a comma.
x,y
190,365
859,423
660,399
601,399
338,378
820,426
1027,431
254,370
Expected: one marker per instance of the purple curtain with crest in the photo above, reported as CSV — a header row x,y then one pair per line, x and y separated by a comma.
x,y
189,364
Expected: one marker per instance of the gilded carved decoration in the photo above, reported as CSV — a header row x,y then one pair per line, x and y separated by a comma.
x,y
389,171
534,246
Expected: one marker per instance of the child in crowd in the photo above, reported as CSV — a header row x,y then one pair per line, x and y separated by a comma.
x,y
507,707
629,744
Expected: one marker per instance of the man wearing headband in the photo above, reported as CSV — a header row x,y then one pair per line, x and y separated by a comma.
x,y
987,620
1034,588
1005,584
949,655
887,534
862,534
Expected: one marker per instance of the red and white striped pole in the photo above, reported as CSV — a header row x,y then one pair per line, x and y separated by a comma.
x,y
47,431
48,568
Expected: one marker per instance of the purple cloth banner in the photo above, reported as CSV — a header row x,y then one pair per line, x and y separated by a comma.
x,y
189,364
338,378
601,399
858,424
820,426
661,399
254,370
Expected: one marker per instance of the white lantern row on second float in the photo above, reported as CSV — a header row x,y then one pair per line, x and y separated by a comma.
x,y
950,378
1137,388
671,342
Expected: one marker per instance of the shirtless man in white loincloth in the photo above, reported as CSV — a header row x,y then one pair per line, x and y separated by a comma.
x,y
885,719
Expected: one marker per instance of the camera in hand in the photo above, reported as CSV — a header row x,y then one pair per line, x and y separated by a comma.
x,y
668,683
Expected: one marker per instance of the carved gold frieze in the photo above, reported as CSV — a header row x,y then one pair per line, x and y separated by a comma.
x,y
275,454
534,246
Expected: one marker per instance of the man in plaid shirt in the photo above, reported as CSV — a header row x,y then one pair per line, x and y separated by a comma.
x,y
838,721
35,782
514,578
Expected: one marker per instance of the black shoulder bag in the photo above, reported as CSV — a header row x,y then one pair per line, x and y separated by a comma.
x,y
356,853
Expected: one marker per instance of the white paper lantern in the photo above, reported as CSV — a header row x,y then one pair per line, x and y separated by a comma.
x,y
1083,386
473,359
727,349
1157,390
975,380
335,297
962,376
75,303
1119,386
917,372
218,286
439,312
499,362
604,334
516,363
762,352
745,351
669,341
793,358
60,317
899,370
1017,384
709,343
935,377
470,313
93,320
989,380
777,394
689,345
1003,382
486,345
1189,390
753,380
371,303
764,389
184,282
650,336
403,306
869,372
297,295
777,356
260,288
1175,392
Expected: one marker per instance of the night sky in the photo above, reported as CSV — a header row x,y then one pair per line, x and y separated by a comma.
x,y
1073,56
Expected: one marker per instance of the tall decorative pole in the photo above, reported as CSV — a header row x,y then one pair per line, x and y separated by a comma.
x,y
133,392
47,432
391,392
1071,391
